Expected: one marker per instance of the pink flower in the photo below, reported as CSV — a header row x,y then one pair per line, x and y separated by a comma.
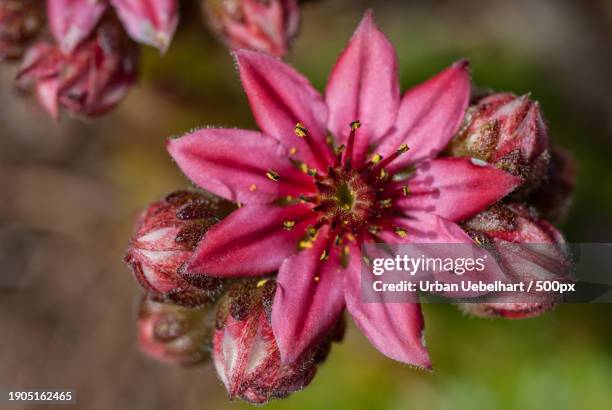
x,y
166,235
540,255
267,26
87,82
150,22
245,352
307,208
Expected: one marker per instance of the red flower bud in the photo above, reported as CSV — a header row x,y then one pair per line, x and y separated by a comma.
x,y
245,352
87,82
540,255
166,236
151,22
20,21
263,25
174,334
508,132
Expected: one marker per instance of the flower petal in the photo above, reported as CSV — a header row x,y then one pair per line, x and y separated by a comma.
x,y
150,22
456,188
280,98
395,329
364,86
309,298
251,241
72,21
429,115
238,165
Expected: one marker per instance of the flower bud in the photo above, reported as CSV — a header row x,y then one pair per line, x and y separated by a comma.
x,y
174,334
526,249
167,233
245,352
20,22
72,21
508,132
554,197
87,82
263,25
151,22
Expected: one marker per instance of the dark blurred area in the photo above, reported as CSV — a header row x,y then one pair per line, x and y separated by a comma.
x,y
71,190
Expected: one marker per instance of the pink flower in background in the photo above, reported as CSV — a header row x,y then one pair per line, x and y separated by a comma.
x,y
87,82
268,26
308,207
150,22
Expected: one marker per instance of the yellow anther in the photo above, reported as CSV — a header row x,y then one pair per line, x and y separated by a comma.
x,y
373,229
350,237
385,203
355,125
329,140
253,187
324,255
288,225
377,158
340,149
304,168
406,190
300,130
311,231
403,148
273,175
401,232
312,172
261,283
305,244
293,151
384,174
346,250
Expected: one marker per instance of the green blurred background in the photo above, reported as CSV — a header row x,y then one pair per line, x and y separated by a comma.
x,y
70,192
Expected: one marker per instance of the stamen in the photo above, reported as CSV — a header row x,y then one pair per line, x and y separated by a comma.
x,y
348,156
376,158
253,187
273,175
401,150
385,203
405,190
293,151
324,256
300,130
261,283
401,232
288,225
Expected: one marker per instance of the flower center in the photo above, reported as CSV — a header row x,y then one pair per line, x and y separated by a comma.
x,y
352,200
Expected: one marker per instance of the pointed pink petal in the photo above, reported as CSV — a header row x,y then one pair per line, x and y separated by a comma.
x,y
456,188
425,227
364,86
395,329
429,115
309,298
72,21
150,22
280,98
234,164
251,241
46,93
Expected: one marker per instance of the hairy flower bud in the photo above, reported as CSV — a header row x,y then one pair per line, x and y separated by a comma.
x,y
263,25
174,334
508,132
526,248
245,352
20,21
87,82
151,22
554,197
167,233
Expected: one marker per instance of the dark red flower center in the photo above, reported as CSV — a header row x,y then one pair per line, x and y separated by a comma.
x,y
353,200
